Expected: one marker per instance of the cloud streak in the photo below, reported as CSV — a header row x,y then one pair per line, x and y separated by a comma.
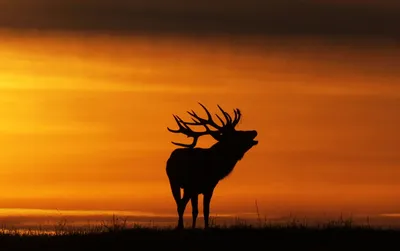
x,y
190,17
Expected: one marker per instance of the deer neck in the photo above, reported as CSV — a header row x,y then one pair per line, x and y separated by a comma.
x,y
225,158
227,152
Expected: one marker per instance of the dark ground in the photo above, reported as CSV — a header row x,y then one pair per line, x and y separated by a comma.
x,y
268,238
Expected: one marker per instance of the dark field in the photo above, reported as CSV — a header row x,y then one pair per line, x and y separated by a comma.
x,y
288,237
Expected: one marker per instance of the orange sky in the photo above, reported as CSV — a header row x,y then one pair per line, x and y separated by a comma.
x,y
83,121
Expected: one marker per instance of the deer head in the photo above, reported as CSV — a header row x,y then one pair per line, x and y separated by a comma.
x,y
225,134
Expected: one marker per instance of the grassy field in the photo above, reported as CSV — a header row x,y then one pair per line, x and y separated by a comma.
x,y
335,235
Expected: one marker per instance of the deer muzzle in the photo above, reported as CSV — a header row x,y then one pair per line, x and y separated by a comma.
x,y
254,134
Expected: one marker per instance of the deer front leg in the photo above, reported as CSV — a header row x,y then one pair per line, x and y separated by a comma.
x,y
206,207
181,208
195,208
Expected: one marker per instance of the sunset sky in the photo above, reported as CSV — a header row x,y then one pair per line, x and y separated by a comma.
x,y
84,104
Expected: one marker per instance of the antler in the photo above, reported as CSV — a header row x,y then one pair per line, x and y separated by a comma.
x,y
230,124
197,120
185,129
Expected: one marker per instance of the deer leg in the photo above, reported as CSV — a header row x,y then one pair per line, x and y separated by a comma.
x,y
195,208
176,193
181,208
206,207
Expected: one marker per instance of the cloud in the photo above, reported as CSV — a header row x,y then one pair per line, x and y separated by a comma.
x,y
240,17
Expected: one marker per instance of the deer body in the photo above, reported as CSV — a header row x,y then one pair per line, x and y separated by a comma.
x,y
198,170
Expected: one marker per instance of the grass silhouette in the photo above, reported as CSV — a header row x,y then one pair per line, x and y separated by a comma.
x,y
117,234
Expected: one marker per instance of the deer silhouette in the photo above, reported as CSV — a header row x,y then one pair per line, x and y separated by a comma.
x,y
198,170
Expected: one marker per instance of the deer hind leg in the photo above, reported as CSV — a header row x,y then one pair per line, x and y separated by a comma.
x,y
176,193
195,208
181,208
